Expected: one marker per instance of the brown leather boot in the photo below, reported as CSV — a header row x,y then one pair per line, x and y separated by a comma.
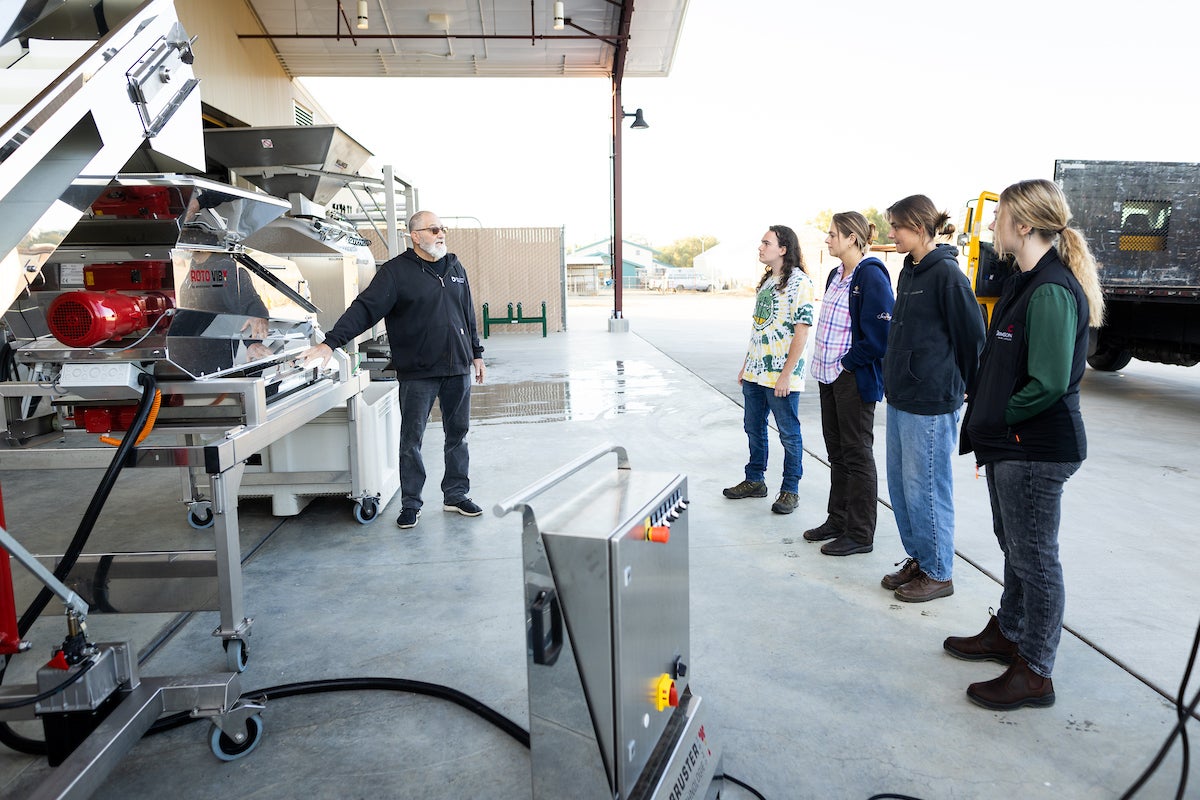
x,y
1018,686
923,588
909,569
988,644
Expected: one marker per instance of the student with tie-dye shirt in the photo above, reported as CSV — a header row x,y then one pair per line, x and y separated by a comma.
x,y
773,371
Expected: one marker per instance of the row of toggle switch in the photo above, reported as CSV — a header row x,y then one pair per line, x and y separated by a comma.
x,y
657,527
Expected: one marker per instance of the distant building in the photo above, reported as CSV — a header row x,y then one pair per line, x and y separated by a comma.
x,y
589,268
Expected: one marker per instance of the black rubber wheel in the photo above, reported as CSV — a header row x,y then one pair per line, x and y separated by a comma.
x,y
1110,360
200,521
227,749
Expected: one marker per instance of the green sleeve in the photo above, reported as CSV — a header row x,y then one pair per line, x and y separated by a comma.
x,y
1050,322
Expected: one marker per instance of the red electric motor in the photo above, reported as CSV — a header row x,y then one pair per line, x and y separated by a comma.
x,y
84,319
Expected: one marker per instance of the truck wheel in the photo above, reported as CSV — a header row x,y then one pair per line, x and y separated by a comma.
x,y
1110,360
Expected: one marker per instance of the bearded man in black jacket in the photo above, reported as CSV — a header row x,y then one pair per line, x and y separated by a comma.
x,y
423,297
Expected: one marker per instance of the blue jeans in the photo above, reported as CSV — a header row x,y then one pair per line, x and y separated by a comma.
x,y
921,486
786,410
1026,507
453,394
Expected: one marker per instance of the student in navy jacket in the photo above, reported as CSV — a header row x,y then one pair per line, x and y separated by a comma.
x,y
1024,425
851,337
423,297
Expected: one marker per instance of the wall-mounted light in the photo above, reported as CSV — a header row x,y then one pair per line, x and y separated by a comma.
x,y
559,16
639,122
362,15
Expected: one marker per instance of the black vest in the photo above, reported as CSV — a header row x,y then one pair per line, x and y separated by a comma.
x,y
1055,434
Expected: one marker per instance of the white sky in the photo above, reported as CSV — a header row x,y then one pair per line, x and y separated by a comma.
x,y
776,109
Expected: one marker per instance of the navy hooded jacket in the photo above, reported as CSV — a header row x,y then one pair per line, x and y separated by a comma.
x,y
936,336
870,303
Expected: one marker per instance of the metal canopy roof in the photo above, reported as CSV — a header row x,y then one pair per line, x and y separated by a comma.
x,y
461,38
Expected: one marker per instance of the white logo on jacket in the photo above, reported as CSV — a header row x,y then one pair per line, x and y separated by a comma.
x,y
457,279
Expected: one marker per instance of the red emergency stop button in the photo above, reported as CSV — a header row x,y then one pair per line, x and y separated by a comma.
x,y
665,693
658,533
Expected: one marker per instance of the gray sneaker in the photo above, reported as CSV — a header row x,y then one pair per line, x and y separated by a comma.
x,y
786,503
746,489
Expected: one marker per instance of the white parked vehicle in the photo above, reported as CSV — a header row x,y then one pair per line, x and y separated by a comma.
x,y
674,279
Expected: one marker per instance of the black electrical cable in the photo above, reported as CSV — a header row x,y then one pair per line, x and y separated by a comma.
x,y
9,737
745,786
46,695
79,541
6,361
1183,714
360,684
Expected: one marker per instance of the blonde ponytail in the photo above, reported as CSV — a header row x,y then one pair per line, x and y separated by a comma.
x,y
1075,253
1041,205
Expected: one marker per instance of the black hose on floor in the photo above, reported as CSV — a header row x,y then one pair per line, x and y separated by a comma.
x,y
365,684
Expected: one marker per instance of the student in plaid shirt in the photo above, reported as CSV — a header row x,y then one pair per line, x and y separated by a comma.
x,y
851,338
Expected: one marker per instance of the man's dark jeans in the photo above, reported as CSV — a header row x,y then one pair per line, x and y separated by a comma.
x,y
453,394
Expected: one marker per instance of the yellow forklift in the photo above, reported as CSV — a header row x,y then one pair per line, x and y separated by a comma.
x,y
985,269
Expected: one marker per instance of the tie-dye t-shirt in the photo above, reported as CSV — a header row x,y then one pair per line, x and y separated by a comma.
x,y
775,317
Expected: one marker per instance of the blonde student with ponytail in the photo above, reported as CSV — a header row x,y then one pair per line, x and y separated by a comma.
x,y
1024,425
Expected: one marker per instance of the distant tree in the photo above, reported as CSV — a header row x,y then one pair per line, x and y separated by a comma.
x,y
683,252
881,224
824,219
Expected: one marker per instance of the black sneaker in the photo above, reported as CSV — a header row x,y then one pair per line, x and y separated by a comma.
x,y
408,517
786,503
746,489
466,507
826,530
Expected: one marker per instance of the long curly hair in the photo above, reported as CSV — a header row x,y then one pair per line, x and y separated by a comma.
x,y
793,259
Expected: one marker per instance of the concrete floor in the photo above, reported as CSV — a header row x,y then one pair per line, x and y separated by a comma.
x,y
820,683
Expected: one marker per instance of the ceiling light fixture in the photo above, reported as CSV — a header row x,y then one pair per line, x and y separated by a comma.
x,y
362,15
559,17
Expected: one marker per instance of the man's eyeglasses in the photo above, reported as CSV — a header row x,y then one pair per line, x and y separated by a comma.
x,y
436,230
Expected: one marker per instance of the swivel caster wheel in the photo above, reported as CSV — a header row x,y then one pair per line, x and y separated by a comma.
x,y
237,655
229,749
366,511
200,520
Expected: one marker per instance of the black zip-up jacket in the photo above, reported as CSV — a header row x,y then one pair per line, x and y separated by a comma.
x,y
1055,434
427,309
936,335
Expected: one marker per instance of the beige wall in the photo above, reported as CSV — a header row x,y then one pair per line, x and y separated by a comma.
x,y
513,265
241,77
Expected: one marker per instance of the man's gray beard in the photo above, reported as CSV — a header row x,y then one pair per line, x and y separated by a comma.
x,y
437,250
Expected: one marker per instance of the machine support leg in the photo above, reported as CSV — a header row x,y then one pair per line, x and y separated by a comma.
x,y
234,624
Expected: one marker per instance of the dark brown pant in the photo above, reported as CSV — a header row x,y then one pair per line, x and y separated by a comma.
x,y
848,425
